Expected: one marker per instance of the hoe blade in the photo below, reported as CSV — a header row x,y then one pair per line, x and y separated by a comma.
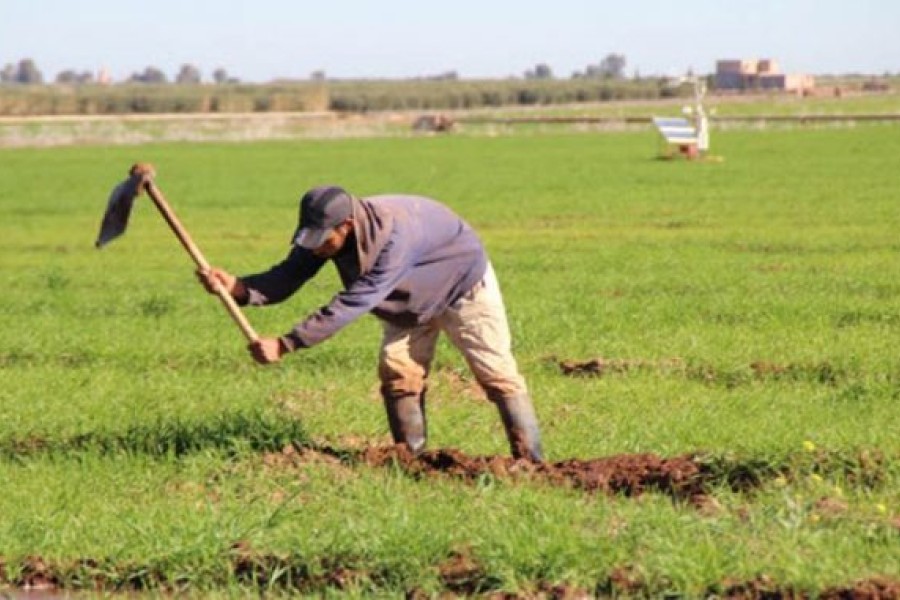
x,y
118,209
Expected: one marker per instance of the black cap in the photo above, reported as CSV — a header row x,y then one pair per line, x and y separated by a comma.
x,y
321,210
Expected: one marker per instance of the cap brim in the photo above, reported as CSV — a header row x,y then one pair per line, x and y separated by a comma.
x,y
311,238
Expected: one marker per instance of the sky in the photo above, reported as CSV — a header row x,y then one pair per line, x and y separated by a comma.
x,y
269,39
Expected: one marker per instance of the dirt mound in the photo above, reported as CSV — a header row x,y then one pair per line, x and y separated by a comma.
x,y
460,573
823,372
35,574
627,474
266,571
876,588
602,366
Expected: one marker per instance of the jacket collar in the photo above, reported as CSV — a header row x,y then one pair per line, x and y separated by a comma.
x,y
373,228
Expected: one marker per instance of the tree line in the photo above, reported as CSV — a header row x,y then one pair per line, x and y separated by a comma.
x,y
26,72
151,91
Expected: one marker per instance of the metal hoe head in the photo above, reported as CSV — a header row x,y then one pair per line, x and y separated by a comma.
x,y
121,199
115,220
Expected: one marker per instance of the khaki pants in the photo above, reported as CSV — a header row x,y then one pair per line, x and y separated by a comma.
x,y
476,324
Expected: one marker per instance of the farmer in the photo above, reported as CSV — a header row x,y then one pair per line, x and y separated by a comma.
x,y
420,269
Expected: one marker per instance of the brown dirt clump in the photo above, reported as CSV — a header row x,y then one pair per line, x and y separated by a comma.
x,y
292,456
876,588
631,474
36,574
627,474
461,574
764,588
760,588
597,367
270,570
823,372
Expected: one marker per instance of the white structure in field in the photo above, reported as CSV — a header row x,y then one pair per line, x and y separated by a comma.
x,y
688,135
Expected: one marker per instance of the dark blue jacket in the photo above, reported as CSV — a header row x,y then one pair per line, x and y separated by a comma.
x,y
407,260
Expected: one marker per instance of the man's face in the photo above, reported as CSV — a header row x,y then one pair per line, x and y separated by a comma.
x,y
335,241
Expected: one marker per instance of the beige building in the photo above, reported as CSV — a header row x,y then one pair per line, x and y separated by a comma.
x,y
103,76
753,75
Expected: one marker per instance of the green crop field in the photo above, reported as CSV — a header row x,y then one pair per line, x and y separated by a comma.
x,y
745,313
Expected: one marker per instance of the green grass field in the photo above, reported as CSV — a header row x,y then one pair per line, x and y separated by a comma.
x,y
759,298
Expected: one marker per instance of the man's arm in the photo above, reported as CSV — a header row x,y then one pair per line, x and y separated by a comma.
x,y
269,287
360,298
282,280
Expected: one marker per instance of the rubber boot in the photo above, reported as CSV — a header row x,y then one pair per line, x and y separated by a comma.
x,y
521,426
406,416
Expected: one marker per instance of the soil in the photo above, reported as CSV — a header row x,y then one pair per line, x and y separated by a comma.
x,y
824,372
603,366
626,474
876,588
460,574
689,477
685,478
36,575
267,570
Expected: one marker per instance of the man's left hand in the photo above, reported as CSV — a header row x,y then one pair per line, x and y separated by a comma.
x,y
266,351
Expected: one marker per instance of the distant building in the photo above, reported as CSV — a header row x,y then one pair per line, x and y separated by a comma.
x,y
103,77
759,75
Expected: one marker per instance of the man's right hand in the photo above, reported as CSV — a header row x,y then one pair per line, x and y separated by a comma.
x,y
234,286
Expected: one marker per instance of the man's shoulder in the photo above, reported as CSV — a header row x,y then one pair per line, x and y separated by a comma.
x,y
399,199
410,205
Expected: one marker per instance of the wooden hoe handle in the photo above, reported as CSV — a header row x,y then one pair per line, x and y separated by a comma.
x,y
146,173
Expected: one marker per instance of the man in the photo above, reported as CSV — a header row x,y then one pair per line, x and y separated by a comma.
x,y
420,269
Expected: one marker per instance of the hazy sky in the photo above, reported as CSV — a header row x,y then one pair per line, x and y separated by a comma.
x,y
267,39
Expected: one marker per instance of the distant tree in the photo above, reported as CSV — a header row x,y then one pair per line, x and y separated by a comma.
x,y
611,67
72,77
445,76
318,75
8,74
220,75
28,73
150,75
540,71
189,74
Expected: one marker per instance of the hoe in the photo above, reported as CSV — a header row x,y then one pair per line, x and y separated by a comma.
x,y
115,220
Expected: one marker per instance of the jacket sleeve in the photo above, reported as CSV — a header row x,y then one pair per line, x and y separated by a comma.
x,y
284,279
362,296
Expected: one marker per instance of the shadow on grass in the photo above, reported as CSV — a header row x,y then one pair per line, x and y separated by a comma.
x,y
234,432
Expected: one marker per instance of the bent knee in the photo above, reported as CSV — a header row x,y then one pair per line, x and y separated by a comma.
x,y
501,387
401,380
